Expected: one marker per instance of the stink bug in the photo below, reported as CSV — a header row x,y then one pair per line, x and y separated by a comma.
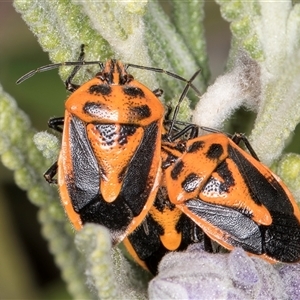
x,y
235,199
212,189
108,170
230,197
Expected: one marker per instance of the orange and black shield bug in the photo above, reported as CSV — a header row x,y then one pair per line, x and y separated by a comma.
x,y
211,191
231,196
108,170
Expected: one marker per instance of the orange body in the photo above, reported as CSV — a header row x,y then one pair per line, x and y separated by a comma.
x,y
235,199
118,167
211,188
109,164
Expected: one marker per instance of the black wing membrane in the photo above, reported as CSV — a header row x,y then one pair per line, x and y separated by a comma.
x,y
281,239
83,185
138,184
239,230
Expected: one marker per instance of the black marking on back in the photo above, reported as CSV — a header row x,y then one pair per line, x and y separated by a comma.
x,y
191,182
177,170
223,171
125,131
215,151
133,91
108,133
94,109
100,89
140,112
196,146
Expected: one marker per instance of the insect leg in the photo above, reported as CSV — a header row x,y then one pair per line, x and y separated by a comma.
x,y
237,137
183,94
71,87
50,173
192,128
207,244
54,123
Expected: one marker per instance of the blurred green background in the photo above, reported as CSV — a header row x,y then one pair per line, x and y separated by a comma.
x,y
27,269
